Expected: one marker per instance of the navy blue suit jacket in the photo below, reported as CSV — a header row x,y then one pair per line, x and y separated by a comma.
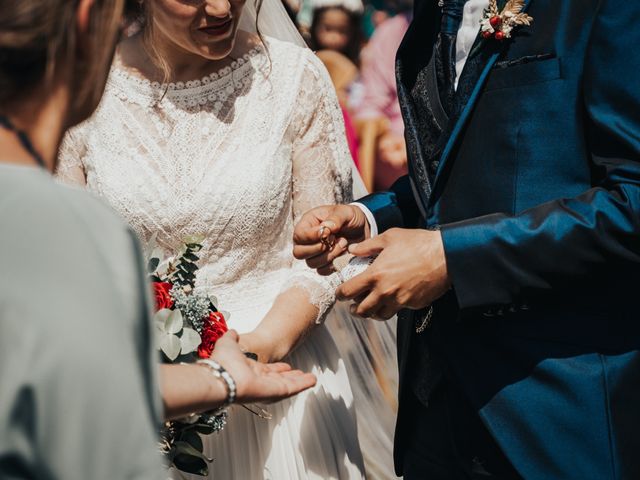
x,y
537,195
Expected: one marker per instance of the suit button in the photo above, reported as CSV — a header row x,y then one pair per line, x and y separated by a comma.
x,y
434,166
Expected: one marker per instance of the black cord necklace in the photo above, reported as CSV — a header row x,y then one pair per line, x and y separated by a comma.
x,y
24,140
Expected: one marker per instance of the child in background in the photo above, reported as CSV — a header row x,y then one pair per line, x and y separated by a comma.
x,y
336,36
337,26
380,99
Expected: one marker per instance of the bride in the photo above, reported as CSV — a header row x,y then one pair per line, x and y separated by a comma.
x,y
212,126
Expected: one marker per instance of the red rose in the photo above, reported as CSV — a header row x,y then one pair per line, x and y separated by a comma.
x,y
216,318
163,298
213,329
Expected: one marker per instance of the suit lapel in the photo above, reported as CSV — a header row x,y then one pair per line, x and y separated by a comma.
x,y
489,58
413,55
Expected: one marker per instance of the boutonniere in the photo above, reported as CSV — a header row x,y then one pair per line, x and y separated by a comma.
x,y
499,25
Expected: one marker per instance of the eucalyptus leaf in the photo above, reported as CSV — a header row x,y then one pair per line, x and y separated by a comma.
x,y
153,264
191,257
204,429
160,318
163,268
157,252
186,448
174,322
214,301
159,325
189,267
193,439
191,464
190,340
170,346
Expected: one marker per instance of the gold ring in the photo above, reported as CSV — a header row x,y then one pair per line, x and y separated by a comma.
x,y
326,241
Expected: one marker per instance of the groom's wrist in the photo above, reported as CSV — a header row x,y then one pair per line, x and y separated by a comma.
x,y
371,220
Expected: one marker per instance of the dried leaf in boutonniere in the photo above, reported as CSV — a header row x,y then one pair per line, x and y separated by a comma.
x,y
499,25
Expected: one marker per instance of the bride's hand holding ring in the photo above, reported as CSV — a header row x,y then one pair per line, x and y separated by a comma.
x,y
325,233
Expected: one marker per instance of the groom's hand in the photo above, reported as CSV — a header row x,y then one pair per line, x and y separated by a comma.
x,y
409,272
324,233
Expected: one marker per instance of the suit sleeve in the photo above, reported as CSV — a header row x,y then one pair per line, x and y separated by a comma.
x,y
396,208
494,259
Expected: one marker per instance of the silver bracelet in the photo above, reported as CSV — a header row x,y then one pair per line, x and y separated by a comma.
x,y
218,371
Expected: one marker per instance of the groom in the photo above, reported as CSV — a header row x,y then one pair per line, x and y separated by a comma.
x,y
512,248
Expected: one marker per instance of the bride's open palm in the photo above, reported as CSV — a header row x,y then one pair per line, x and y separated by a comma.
x,y
259,382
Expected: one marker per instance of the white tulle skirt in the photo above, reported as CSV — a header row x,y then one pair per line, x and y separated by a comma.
x,y
341,429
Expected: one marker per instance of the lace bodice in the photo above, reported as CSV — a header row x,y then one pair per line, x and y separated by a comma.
x,y
237,157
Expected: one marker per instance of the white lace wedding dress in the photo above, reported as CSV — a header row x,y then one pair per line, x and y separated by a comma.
x,y
238,157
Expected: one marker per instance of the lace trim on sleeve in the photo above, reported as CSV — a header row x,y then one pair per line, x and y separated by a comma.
x,y
321,292
321,167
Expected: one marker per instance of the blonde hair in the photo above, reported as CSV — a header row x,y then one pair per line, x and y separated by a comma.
x,y
38,38
138,12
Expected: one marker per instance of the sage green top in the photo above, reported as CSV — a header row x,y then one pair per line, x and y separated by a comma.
x,y
78,383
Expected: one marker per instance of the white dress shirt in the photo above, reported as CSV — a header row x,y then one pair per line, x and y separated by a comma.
x,y
467,33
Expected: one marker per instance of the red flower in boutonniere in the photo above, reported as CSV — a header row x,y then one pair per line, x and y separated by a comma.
x,y
163,297
214,328
500,25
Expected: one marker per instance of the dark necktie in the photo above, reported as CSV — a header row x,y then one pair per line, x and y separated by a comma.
x,y
452,11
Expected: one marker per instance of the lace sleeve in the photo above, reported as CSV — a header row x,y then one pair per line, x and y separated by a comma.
x,y
322,168
70,169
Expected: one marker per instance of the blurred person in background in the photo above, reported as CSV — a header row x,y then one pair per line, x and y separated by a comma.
x,y
336,25
375,12
336,36
343,73
380,96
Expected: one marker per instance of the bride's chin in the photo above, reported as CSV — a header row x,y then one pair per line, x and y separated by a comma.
x,y
218,51
235,45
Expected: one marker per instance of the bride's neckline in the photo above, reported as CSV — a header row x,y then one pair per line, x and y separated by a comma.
x,y
244,61
131,85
